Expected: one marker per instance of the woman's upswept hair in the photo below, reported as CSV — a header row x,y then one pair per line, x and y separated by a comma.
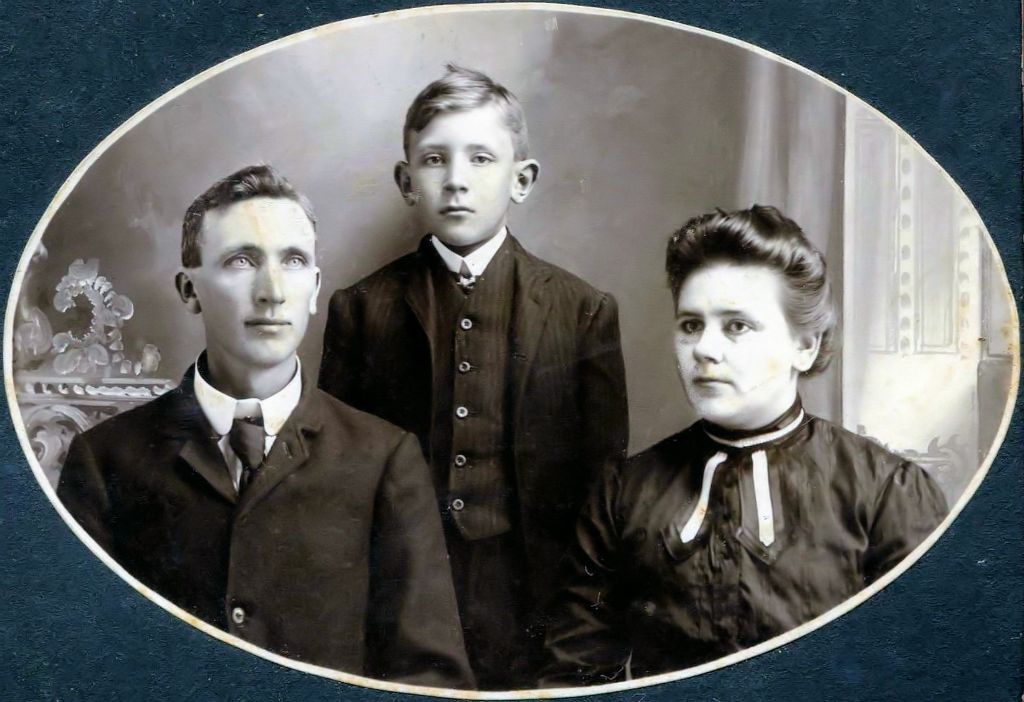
x,y
762,236
465,89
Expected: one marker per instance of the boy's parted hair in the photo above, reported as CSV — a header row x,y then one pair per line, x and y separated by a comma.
x,y
252,181
762,236
466,89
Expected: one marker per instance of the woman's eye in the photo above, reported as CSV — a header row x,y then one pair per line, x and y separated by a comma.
x,y
737,326
691,326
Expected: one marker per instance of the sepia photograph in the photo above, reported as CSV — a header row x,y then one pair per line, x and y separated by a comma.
x,y
491,351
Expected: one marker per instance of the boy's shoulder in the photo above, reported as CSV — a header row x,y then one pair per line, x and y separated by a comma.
x,y
558,280
392,278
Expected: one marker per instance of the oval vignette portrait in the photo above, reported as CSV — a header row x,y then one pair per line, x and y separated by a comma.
x,y
547,347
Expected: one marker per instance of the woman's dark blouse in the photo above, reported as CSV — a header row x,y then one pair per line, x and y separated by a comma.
x,y
845,511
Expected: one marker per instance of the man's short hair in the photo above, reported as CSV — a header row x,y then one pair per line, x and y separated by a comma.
x,y
466,89
762,236
252,181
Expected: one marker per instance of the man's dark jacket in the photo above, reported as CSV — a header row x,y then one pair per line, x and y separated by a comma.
x,y
567,403
334,555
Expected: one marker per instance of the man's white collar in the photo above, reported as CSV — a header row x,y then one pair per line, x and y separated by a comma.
x,y
221,409
476,261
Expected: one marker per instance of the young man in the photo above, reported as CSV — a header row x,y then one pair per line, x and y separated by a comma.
x,y
253,500
507,368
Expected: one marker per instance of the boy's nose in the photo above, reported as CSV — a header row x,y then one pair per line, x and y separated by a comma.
x,y
455,180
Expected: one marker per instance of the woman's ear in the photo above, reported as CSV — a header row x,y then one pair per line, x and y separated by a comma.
x,y
807,347
187,292
525,178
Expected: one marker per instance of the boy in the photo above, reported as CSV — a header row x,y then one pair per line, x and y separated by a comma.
x,y
251,499
507,368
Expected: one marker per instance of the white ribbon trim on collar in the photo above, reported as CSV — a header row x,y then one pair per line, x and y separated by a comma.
x,y
762,483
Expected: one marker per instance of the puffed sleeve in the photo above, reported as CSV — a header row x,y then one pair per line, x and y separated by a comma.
x,y
413,630
910,506
585,644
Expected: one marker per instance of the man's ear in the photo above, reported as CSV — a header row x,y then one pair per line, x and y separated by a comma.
x,y
187,292
404,182
807,347
525,177
316,293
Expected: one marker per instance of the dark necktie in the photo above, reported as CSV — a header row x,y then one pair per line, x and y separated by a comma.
x,y
466,279
247,441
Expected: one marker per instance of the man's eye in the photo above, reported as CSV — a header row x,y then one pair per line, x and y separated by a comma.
x,y
691,326
482,159
432,160
240,262
737,327
295,261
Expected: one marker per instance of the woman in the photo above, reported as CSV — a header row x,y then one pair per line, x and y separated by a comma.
x,y
760,516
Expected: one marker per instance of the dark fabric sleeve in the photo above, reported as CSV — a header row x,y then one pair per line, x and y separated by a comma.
x,y
602,388
413,631
341,367
82,490
586,643
909,508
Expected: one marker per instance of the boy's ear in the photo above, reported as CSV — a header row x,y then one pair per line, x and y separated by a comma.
x,y
525,177
187,292
404,182
807,347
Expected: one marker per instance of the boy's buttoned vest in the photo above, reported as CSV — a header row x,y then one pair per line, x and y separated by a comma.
x,y
470,429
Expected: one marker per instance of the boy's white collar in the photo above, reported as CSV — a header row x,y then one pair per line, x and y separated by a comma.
x,y
477,261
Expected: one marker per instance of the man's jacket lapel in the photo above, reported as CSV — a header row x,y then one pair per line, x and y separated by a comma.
x,y
187,424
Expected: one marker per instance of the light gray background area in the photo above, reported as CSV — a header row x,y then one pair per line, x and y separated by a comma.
x,y
637,127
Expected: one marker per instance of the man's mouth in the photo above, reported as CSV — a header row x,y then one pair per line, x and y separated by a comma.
x,y
456,209
267,323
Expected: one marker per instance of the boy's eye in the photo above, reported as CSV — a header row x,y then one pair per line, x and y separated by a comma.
x,y
691,326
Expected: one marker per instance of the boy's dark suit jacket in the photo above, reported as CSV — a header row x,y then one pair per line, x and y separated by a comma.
x,y
334,553
568,393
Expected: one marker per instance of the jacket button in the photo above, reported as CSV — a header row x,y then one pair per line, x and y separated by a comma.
x,y
238,615
460,460
466,323
458,504
464,367
461,412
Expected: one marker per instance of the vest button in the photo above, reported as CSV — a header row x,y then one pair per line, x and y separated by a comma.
x,y
457,505
460,460
238,615
464,367
461,412
466,323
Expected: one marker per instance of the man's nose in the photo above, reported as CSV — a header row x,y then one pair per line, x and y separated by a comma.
x,y
268,289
